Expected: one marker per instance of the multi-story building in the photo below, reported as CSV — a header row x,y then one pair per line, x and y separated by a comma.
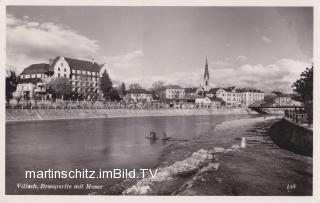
x,y
234,96
83,75
138,95
172,92
32,81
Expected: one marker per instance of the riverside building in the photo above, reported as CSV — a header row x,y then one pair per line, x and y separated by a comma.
x,y
84,76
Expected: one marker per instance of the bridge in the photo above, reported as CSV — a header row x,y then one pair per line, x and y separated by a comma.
x,y
275,103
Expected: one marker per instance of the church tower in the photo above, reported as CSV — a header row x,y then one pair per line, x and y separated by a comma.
x,y
206,77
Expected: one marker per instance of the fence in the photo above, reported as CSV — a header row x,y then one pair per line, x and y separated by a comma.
x,y
298,116
69,104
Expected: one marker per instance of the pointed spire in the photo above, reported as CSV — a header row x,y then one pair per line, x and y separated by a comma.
x,y
206,70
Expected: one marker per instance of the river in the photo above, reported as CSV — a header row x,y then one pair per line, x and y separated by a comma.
x,y
93,144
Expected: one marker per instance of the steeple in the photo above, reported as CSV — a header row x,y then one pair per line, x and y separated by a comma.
x,y
206,70
206,76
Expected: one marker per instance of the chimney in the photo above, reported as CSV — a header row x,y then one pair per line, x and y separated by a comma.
x,y
92,60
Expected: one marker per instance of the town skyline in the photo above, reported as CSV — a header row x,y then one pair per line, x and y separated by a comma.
x,y
169,44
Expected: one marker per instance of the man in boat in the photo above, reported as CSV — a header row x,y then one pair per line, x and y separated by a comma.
x,y
164,136
152,135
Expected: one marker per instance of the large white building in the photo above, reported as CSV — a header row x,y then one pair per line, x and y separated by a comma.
x,y
234,96
83,75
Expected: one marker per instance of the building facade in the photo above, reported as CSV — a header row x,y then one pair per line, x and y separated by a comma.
x,y
84,76
172,92
138,95
233,96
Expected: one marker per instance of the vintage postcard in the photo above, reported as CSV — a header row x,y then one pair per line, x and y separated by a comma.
x,y
158,99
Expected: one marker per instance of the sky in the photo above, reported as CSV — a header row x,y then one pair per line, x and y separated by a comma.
x,y
261,47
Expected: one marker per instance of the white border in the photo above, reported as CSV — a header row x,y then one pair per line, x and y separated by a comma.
x,y
199,199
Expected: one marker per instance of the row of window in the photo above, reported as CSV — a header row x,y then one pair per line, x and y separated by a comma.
x,y
85,72
25,76
86,78
76,83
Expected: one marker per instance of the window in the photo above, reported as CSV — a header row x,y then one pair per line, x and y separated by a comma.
x,y
59,69
61,63
65,70
58,74
65,75
78,71
73,71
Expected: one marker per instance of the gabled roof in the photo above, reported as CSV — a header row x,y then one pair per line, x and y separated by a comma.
x,y
36,69
77,64
190,90
214,90
138,91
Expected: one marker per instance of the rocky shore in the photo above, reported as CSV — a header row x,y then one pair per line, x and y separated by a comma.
x,y
214,164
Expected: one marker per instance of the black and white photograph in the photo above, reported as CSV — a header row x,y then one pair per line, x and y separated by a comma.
x,y
107,100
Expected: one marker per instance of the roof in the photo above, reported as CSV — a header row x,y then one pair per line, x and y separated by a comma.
x,y
138,91
53,63
171,87
77,64
214,90
247,89
36,69
83,65
190,90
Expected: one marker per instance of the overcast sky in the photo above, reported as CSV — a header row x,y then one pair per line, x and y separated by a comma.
x,y
266,48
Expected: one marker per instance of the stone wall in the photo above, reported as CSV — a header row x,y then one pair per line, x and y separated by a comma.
x,y
293,137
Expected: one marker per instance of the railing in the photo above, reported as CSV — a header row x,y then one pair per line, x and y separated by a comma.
x,y
298,116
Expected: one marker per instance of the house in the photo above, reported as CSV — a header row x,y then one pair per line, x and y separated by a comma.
x,y
208,102
84,75
172,92
138,95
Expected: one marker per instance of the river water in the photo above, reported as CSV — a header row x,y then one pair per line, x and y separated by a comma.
x,y
93,144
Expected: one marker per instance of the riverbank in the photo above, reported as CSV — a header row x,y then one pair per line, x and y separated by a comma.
x,y
214,164
15,115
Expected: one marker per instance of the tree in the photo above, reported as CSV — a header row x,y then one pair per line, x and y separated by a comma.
x,y
106,85
156,89
304,87
11,84
60,87
122,90
135,86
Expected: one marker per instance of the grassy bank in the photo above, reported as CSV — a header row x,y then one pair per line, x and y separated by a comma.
x,y
52,114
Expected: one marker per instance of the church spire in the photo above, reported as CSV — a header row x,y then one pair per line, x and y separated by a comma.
x,y
206,71
206,76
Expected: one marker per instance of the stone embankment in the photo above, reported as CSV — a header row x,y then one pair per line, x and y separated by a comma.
x,y
292,136
214,164
52,114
